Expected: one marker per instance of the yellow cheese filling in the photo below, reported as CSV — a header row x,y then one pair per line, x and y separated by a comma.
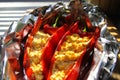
x,y
35,53
65,58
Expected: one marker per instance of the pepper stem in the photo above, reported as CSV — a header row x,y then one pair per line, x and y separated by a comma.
x,y
55,24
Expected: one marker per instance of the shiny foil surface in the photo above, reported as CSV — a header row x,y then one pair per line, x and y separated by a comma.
x,y
105,52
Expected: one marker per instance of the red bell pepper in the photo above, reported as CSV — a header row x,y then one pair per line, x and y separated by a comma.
x,y
73,72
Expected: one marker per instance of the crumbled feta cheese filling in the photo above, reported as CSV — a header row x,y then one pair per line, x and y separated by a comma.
x,y
35,53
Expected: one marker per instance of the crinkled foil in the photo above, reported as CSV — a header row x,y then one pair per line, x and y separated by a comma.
x,y
105,55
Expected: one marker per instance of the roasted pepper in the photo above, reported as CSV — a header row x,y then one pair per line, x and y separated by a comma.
x,y
50,47
67,59
45,50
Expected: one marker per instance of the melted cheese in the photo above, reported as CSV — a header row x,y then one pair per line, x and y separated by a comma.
x,y
69,53
35,53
